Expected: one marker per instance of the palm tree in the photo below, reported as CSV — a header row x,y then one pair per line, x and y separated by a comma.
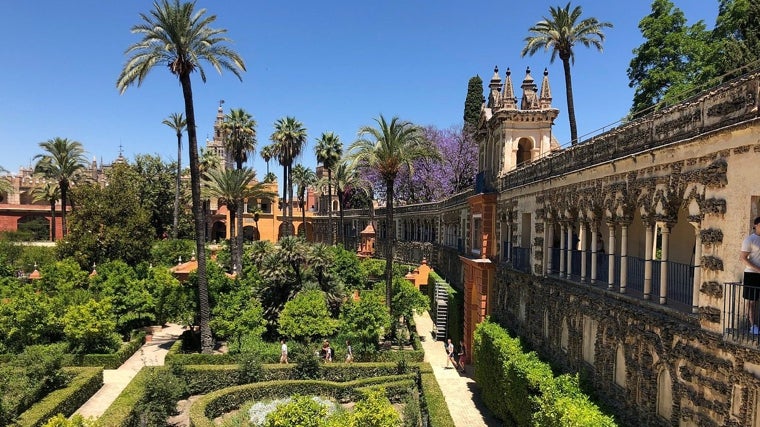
x,y
303,178
347,176
62,161
289,137
177,36
267,153
231,187
559,34
177,122
387,149
50,193
239,130
328,151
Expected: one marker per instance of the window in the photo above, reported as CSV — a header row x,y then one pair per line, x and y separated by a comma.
x,y
266,206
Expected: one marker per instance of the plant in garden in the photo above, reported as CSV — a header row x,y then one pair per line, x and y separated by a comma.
x,y
303,178
168,252
472,103
172,302
238,314
76,420
288,139
132,302
162,391
306,317
407,299
48,192
302,411
177,122
329,150
29,317
365,320
91,328
375,410
174,34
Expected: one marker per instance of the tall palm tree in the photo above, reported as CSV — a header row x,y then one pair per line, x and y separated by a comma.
x,y
231,187
289,137
62,161
50,193
267,153
387,149
239,129
177,122
303,178
347,176
174,34
560,33
328,151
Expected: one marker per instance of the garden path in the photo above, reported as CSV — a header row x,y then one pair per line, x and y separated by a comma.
x,y
116,380
459,389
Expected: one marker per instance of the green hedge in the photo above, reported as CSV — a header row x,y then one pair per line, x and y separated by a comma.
x,y
108,361
123,411
433,399
202,379
214,404
85,383
519,387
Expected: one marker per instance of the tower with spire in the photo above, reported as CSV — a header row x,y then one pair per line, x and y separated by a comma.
x,y
509,136
217,144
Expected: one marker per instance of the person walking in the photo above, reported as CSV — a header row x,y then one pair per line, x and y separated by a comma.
x,y
283,350
462,355
750,257
450,354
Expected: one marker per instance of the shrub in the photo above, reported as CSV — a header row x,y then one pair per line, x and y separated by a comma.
x,y
302,411
162,391
307,367
520,388
375,410
249,368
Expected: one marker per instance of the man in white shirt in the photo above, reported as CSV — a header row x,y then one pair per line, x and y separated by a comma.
x,y
750,257
283,351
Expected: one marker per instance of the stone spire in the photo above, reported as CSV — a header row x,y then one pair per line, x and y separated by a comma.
x,y
529,98
508,97
494,97
545,101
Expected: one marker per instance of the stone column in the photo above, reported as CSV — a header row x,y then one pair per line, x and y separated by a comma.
x,y
548,240
623,257
664,264
582,238
648,261
594,238
611,256
562,249
697,268
569,263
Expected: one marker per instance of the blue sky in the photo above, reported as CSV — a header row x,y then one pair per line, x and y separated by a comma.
x,y
334,65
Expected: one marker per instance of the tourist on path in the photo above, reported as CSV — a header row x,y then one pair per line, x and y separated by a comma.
x,y
450,354
284,351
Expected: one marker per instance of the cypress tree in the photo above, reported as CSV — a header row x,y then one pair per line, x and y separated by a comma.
x,y
473,102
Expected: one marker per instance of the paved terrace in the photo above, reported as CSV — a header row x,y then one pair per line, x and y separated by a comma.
x,y
459,389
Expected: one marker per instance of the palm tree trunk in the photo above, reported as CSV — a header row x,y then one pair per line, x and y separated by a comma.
x,y
231,238
284,200
303,219
176,192
207,340
341,227
64,186
329,205
239,239
290,197
390,242
570,103
52,220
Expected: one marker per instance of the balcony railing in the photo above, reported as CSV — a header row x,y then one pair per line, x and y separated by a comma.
x,y
521,259
736,324
680,289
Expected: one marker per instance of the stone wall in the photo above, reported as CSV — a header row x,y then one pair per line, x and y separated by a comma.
x,y
714,383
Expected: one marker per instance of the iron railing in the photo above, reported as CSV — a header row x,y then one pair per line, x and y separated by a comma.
x,y
736,323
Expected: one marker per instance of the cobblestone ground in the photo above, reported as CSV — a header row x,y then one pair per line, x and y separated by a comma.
x,y
459,389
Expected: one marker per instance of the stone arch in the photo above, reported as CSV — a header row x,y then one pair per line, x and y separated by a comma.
x,y
281,230
524,151
620,368
664,394
307,231
218,230
251,233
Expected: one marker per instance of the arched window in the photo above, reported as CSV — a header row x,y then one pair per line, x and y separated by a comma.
x,y
664,394
524,151
620,366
